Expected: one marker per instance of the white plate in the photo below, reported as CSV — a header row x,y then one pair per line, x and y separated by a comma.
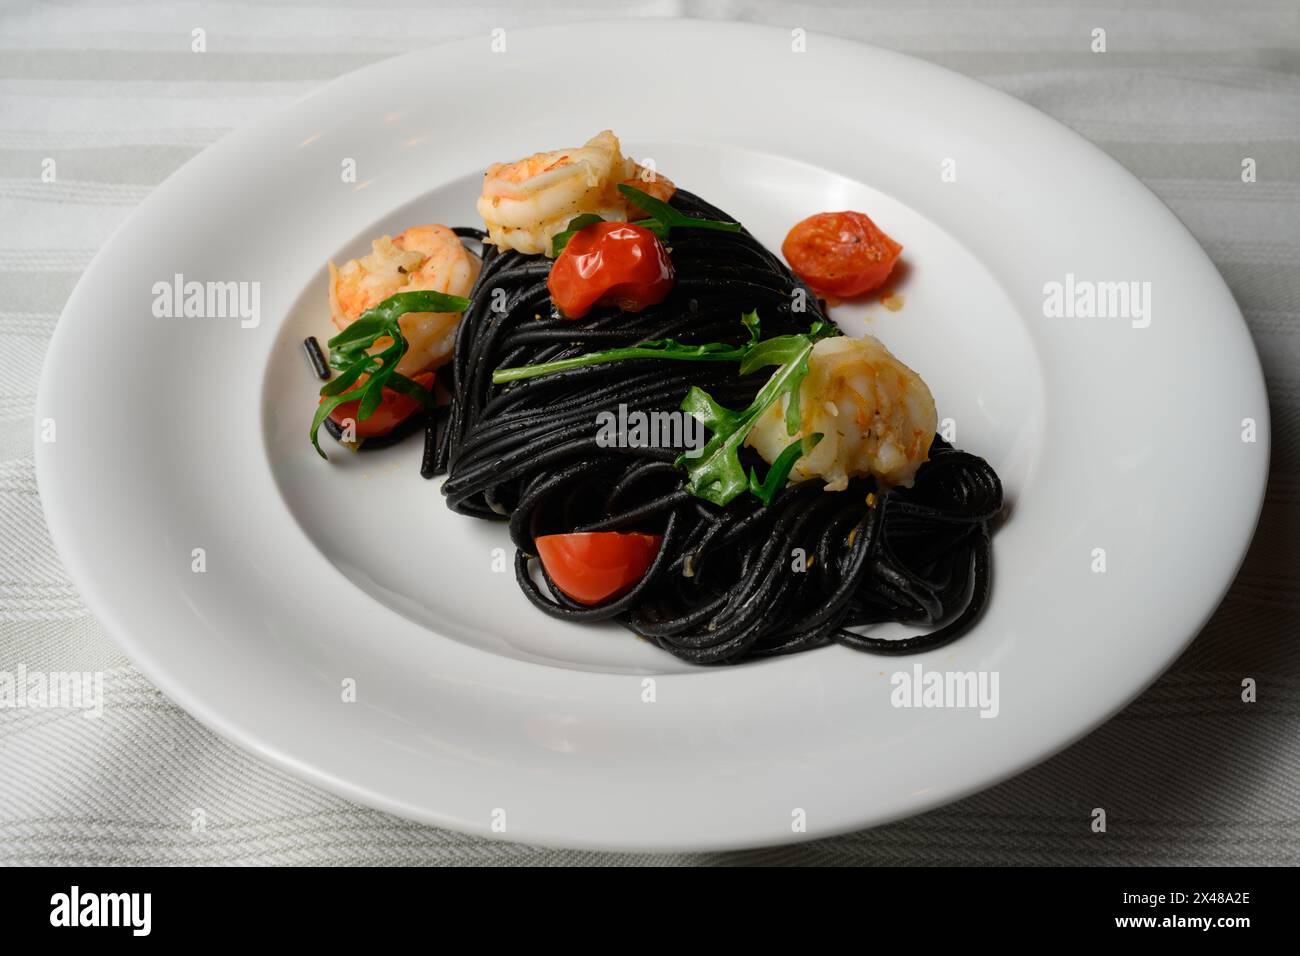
x,y
177,434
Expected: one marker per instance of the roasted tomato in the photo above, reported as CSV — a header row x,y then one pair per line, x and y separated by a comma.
x,y
610,263
840,254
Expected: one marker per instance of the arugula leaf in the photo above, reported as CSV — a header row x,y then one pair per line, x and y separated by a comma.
x,y
666,216
663,217
349,352
717,475
773,351
752,355
701,406
779,473
655,348
576,224
374,322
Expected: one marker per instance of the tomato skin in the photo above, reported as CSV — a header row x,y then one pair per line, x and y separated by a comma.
x,y
592,566
394,408
610,263
840,254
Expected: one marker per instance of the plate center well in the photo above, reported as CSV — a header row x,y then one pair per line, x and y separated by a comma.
x,y
390,533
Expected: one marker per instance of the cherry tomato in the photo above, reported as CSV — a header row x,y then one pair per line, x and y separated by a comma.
x,y
841,254
394,408
610,263
593,566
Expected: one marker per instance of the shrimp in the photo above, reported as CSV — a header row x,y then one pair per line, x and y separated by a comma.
x,y
422,259
876,416
526,203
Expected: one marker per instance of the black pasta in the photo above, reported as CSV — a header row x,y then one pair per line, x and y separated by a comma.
x,y
729,583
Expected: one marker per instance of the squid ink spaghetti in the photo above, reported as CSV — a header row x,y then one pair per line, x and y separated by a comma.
x,y
797,492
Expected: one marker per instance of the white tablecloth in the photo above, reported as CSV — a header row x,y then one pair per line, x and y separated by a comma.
x,y
1188,774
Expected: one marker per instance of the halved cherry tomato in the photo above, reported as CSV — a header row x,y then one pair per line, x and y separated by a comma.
x,y
841,254
610,263
394,408
593,566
